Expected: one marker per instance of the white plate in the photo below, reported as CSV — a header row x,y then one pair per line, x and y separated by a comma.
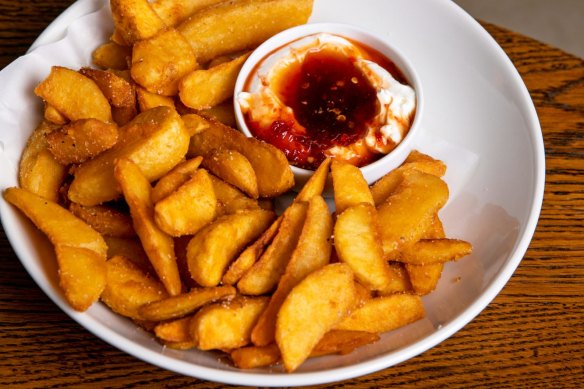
x,y
479,119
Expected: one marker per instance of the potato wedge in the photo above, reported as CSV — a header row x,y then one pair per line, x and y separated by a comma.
x,y
191,207
349,185
316,305
105,220
209,253
118,91
82,275
205,88
382,314
128,288
219,29
223,113
43,175
357,244
74,95
178,306
81,140
175,178
135,20
131,249
405,215
229,199
250,255
111,55
233,168
263,277
160,62
429,251
227,326
343,342
316,183
172,12
157,244
61,226
175,330
272,170
156,141
147,100
255,356
312,252
52,115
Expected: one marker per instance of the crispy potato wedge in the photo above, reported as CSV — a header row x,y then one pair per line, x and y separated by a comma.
x,y
349,186
382,314
209,253
175,331
312,252
81,140
230,199
272,170
156,141
223,113
263,277
157,244
131,249
219,29
429,251
316,183
343,342
250,255
52,115
191,207
387,184
128,288
74,95
255,356
172,12
233,168
134,20
106,220
406,214
175,178
38,171
111,55
160,62
61,226
82,275
118,91
357,244
205,88
227,326
316,305
178,306
147,100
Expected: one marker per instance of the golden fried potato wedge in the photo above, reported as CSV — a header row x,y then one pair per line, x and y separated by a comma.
x,y
157,244
81,140
135,20
160,62
406,214
358,245
106,220
228,325
38,171
263,277
233,168
175,178
429,251
61,226
191,207
82,275
128,288
156,141
74,95
131,249
184,304
205,88
312,252
173,12
250,255
209,252
316,183
349,185
111,55
223,113
382,314
118,91
237,25
255,356
272,170
175,331
52,115
343,342
147,100
316,305
230,199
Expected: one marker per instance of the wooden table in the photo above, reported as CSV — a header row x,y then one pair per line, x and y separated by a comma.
x,y
531,335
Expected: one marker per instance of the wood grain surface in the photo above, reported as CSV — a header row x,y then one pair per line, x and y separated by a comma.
x,y
531,335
